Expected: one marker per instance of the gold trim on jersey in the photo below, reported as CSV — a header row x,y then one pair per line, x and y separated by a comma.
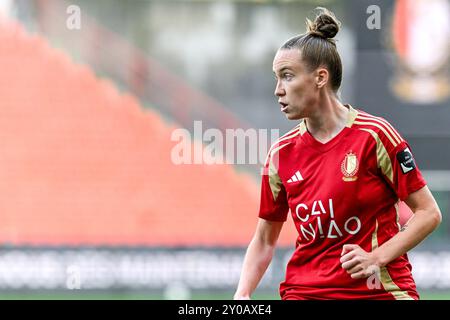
x,y
383,159
371,123
374,236
391,132
353,114
388,126
303,128
385,278
274,179
397,218
290,134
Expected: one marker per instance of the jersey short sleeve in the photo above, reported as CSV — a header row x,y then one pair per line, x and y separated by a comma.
x,y
394,155
406,176
273,204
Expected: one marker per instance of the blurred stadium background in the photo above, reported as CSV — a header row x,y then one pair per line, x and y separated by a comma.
x,y
92,205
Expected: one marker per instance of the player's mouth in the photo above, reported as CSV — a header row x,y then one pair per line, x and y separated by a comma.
x,y
284,106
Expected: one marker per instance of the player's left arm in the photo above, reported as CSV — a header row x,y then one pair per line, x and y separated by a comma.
x,y
427,216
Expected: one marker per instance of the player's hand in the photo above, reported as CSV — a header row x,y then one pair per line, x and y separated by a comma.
x,y
357,262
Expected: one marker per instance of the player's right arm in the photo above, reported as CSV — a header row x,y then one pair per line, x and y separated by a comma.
x,y
258,257
272,214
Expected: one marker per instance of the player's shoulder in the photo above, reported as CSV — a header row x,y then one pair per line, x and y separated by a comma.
x,y
286,138
378,128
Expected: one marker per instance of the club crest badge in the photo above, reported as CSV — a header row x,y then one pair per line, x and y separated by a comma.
x,y
349,167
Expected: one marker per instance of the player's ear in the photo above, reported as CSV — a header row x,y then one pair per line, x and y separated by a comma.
x,y
322,76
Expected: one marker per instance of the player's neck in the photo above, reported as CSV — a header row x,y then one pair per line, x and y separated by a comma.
x,y
328,120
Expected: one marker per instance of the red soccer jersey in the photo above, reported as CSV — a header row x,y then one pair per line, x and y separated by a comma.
x,y
345,191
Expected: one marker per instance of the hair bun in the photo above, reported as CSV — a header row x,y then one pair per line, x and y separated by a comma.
x,y
325,25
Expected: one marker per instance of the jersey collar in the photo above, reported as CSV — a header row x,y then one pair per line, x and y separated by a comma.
x,y
352,114
323,147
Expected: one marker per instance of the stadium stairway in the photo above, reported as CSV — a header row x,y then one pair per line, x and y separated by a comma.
x,y
83,165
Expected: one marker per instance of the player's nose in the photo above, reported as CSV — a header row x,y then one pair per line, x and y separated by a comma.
x,y
279,91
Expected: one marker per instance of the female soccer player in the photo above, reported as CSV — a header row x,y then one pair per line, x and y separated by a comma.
x,y
341,172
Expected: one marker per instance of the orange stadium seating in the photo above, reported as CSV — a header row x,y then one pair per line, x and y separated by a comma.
x,y
83,164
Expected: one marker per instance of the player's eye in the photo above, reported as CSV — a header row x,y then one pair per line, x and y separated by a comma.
x,y
287,76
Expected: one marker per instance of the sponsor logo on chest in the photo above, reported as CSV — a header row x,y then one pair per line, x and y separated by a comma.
x,y
319,221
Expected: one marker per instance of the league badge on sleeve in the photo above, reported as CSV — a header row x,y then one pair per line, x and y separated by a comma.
x,y
406,160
